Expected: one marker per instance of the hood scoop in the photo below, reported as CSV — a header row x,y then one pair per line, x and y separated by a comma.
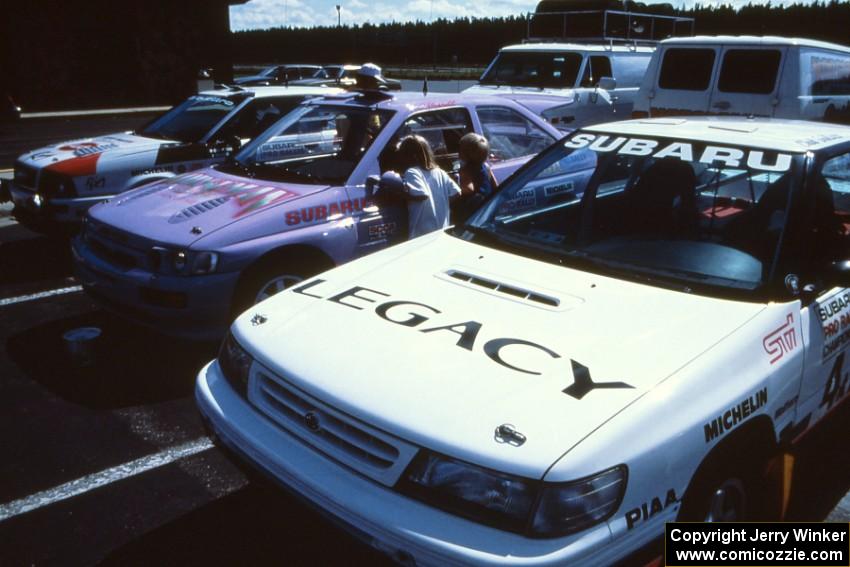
x,y
504,288
195,210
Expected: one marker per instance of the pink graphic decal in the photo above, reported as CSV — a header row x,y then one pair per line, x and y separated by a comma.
x,y
781,341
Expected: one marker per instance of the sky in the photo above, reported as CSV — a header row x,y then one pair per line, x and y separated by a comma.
x,y
259,14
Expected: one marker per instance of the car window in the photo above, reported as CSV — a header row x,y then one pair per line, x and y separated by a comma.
x,y
674,212
686,69
836,174
534,68
510,134
257,116
442,128
751,71
598,66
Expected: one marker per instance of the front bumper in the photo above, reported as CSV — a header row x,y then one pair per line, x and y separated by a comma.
x,y
408,530
50,213
192,307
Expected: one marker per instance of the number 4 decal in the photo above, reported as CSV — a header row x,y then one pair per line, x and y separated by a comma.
x,y
836,385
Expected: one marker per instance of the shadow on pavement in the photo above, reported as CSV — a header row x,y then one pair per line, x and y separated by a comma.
x,y
257,525
129,365
27,257
822,468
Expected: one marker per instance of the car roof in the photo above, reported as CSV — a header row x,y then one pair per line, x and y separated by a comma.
x,y
410,100
595,47
264,92
766,40
766,133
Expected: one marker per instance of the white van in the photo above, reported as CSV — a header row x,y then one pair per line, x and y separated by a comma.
x,y
589,73
747,75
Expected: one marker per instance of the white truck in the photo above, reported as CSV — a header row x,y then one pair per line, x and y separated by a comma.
x,y
579,78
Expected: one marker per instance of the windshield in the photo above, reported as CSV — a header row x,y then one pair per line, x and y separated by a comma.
x,y
534,69
268,71
314,144
192,119
678,213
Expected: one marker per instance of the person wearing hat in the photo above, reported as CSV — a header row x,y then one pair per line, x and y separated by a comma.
x,y
369,77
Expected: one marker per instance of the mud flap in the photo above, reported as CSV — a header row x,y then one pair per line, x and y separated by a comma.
x,y
778,474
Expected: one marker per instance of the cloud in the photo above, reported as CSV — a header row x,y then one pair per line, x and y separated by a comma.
x,y
258,14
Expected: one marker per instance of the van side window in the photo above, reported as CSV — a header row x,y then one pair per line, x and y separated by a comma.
x,y
751,71
830,75
598,66
629,71
686,69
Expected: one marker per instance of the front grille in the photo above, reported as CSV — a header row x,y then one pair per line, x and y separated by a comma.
x,y
25,176
341,437
121,249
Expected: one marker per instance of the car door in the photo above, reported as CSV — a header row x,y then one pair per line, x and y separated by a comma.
x,y
826,320
684,82
748,80
443,128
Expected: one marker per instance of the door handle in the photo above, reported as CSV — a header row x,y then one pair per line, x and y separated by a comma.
x,y
722,105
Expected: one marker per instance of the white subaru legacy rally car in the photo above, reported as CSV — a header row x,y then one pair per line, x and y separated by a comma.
x,y
634,329
54,186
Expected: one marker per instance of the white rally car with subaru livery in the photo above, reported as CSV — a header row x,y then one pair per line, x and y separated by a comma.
x,y
636,328
54,186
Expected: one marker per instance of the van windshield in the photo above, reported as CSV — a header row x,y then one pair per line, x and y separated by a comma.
x,y
677,213
534,69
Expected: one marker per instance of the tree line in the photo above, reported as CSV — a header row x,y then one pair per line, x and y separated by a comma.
x,y
466,41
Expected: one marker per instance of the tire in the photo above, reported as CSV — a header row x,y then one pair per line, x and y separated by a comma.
x,y
730,488
274,274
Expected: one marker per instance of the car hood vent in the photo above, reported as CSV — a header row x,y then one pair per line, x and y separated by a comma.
x,y
504,288
196,210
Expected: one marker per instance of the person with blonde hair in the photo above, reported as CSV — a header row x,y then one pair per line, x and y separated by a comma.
x,y
426,187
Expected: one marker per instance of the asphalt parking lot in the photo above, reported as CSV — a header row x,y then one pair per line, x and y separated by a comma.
x,y
108,462
105,460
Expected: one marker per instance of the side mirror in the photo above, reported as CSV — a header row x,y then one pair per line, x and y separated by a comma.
x,y
607,83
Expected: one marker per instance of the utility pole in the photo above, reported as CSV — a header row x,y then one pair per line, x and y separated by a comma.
x,y
338,16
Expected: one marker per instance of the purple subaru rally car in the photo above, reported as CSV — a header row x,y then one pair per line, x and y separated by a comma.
x,y
185,255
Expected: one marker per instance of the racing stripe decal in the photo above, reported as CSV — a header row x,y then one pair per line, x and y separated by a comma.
x,y
77,166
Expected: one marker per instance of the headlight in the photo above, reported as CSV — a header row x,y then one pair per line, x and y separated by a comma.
x,y
190,262
235,362
486,496
526,506
574,506
204,262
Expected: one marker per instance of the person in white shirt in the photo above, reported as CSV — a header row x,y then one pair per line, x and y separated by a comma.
x,y
427,187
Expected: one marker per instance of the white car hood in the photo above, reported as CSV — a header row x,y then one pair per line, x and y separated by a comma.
x,y
79,157
418,384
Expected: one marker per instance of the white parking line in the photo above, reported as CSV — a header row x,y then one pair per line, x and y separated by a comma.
x,y
102,478
40,295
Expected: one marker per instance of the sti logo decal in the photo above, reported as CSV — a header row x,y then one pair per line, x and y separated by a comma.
x,y
781,341
410,314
